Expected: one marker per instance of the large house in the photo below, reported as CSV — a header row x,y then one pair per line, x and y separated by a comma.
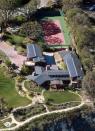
x,y
59,68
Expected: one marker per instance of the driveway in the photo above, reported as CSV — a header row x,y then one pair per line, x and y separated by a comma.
x,y
12,54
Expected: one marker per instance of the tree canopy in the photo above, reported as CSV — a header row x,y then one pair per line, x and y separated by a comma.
x,y
89,83
31,29
7,8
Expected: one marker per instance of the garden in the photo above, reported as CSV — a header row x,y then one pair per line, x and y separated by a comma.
x,y
24,113
32,87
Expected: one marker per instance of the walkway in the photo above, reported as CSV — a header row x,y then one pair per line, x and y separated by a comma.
x,y
20,124
12,54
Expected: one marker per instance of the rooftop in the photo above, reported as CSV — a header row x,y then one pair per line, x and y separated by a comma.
x,y
34,52
53,72
73,64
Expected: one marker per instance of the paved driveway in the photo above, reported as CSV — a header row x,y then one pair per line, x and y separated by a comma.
x,y
12,54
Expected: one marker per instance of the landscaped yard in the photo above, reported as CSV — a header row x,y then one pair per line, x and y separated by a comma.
x,y
16,39
8,91
60,97
30,86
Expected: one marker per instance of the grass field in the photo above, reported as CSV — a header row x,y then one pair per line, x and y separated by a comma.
x,y
8,92
60,97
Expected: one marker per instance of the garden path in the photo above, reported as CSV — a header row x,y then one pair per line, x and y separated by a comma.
x,y
20,124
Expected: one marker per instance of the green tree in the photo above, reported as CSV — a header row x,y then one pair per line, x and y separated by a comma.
x,y
7,8
31,29
87,59
69,4
8,63
25,70
89,83
31,7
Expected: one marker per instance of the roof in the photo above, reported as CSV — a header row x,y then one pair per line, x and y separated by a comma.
x,y
73,64
33,51
49,75
39,69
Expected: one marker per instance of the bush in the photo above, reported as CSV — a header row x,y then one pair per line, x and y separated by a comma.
x,y
25,70
8,63
20,78
20,19
21,50
16,40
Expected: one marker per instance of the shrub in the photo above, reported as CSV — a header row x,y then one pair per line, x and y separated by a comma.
x,y
8,63
20,19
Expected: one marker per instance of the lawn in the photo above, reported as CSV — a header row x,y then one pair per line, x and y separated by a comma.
x,y
16,39
8,92
60,97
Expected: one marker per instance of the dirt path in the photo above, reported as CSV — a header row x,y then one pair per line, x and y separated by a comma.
x,y
20,124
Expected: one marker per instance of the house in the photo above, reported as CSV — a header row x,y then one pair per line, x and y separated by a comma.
x,y
73,64
34,53
53,73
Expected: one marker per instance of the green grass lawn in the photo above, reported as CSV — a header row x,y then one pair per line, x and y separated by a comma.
x,y
60,97
16,39
8,92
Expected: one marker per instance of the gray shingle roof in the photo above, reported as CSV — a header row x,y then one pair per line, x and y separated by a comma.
x,y
39,69
49,75
73,63
33,51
